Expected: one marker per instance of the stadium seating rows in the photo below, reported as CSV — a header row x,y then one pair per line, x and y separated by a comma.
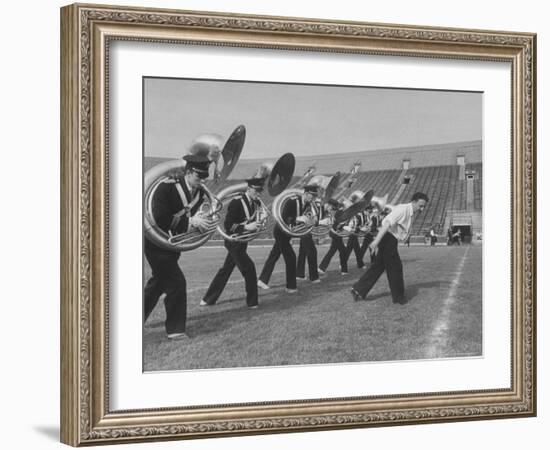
x,y
440,183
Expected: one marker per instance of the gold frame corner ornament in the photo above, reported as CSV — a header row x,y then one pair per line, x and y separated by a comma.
x,y
86,31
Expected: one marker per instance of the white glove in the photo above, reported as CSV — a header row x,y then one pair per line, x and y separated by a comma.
x,y
302,219
253,226
325,221
347,228
198,222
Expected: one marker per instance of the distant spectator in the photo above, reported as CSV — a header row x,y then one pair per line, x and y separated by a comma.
x,y
449,236
433,237
457,235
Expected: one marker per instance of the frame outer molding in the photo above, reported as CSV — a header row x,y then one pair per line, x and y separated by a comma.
x,y
85,418
70,216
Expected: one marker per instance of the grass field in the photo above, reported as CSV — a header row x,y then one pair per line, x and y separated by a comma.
x,y
322,324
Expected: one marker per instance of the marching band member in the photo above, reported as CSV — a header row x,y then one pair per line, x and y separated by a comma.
x,y
372,221
292,213
337,242
177,205
355,224
396,225
307,246
241,217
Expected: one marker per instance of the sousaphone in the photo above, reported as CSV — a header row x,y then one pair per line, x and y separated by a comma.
x,y
356,208
279,177
170,172
326,187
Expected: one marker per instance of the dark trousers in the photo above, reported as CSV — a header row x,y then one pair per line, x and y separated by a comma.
x,y
353,245
309,251
236,256
282,246
167,278
365,245
387,259
337,244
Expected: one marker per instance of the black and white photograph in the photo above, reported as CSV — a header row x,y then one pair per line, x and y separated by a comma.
x,y
288,224
295,224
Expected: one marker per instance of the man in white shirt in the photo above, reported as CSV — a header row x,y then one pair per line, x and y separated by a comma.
x,y
395,226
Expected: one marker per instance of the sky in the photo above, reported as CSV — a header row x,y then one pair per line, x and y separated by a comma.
x,y
304,119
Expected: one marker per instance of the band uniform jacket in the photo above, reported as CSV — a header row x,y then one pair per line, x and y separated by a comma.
x,y
241,210
372,222
173,206
359,221
293,208
336,224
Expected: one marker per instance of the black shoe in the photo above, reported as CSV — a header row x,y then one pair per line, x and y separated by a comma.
x,y
355,295
403,301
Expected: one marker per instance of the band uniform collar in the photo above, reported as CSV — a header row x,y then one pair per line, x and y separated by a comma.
x,y
189,189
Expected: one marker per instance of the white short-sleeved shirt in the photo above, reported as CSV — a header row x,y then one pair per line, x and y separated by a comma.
x,y
399,220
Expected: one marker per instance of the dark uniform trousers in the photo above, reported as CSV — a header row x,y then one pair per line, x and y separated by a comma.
x,y
337,244
282,246
353,245
167,278
309,251
236,256
386,259
365,245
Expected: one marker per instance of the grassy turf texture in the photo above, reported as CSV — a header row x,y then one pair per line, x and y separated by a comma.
x,y
321,324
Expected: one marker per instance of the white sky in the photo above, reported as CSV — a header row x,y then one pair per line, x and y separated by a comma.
x,y
304,119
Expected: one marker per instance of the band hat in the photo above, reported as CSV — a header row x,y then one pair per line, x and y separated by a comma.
x,y
197,163
312,188
256,182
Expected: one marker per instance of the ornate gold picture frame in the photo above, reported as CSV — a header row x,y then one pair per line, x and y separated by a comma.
x,y
87,34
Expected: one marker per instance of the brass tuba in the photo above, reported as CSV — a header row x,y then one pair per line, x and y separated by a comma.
x,y
381,203
326,186
280,175
339,184
209,145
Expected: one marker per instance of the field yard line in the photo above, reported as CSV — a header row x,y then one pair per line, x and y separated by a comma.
x,y
439,334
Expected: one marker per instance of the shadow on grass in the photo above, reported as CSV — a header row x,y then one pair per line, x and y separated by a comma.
x,y
155,324
411,291
274,301
229,311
